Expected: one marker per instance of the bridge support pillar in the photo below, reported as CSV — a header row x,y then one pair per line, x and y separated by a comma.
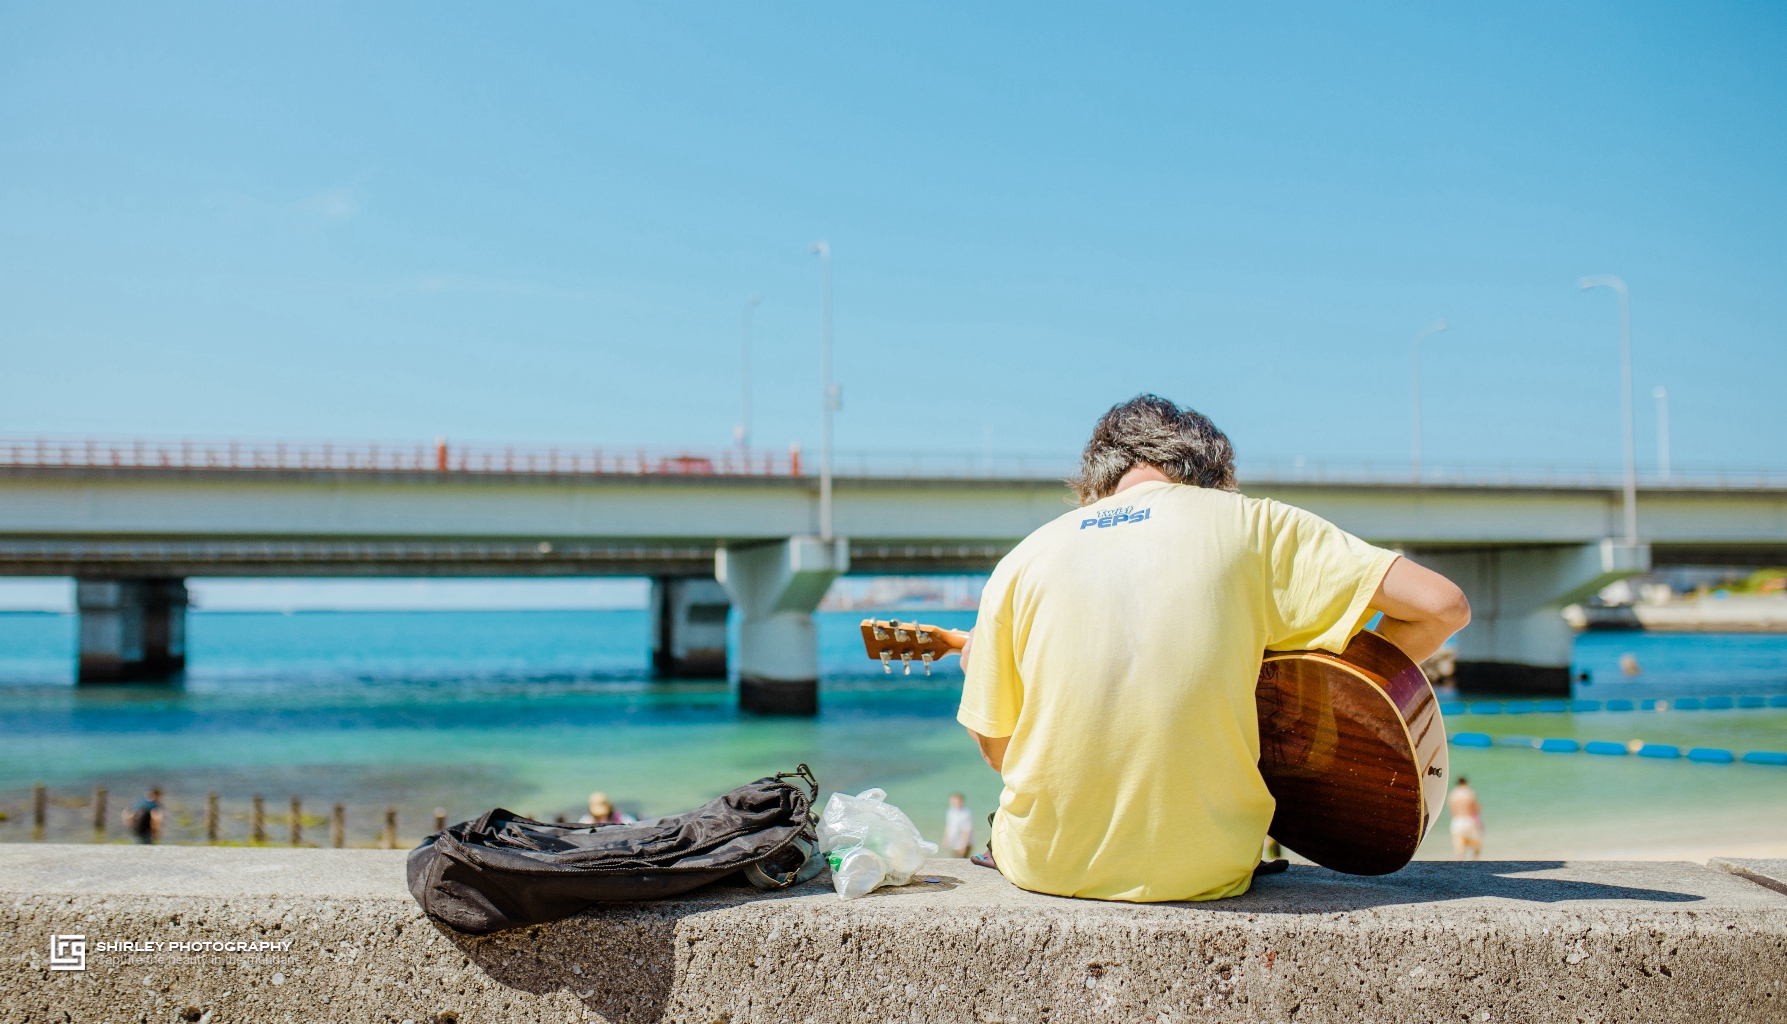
x,y
775,587
131,630
689,627
1518,641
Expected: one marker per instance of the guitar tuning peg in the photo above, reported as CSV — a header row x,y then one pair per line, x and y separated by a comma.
x,y
927,657
906,657
880,634
924,637
900,635
886,665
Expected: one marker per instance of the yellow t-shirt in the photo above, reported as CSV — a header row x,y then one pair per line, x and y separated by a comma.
x,y
1118,647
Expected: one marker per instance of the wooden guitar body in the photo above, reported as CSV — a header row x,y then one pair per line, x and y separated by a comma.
x,y
1351,745
1354,751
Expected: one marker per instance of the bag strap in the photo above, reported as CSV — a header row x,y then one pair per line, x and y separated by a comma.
x,y
804,774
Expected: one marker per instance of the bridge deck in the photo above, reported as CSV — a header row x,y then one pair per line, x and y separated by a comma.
x,y
366,518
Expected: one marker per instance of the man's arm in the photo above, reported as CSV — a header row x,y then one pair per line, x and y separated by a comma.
x,y
992,750
1422,609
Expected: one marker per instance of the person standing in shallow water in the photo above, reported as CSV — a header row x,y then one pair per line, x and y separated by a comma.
x,y
1111,673
143,818
958,826
603,812
1467,821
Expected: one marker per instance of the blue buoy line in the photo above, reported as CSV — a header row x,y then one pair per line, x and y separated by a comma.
x,y
1660,751
1453,708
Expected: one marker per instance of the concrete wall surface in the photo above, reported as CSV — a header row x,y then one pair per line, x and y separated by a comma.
x,y
1541,941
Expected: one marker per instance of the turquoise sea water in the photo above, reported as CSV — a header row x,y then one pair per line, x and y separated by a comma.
x,y
465,711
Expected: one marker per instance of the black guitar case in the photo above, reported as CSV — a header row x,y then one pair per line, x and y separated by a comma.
x,y
504,871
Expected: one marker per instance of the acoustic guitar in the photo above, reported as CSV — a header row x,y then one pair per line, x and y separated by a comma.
x,y
1352,746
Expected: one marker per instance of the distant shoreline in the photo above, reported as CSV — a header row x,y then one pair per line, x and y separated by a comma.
x,y
473,611
1735,614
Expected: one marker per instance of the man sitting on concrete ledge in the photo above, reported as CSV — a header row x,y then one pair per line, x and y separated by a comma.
x,y
1115,657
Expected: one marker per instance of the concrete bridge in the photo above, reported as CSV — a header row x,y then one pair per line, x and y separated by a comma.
x,y
131,520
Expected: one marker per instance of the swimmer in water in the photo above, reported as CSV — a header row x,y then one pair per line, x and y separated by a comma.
x,y
1467,821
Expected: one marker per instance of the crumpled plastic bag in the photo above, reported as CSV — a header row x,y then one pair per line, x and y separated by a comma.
x,y
869,843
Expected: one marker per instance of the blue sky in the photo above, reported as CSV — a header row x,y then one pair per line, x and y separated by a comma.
x,y
540,222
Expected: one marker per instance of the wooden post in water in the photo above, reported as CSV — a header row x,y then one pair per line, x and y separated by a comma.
x,y
257,822
38,799
440,819
338,827
99,810
389,840
297,822
211,817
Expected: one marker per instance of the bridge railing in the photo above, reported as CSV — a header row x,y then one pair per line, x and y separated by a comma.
x,y
1508,474
633,460
1319,471
439,457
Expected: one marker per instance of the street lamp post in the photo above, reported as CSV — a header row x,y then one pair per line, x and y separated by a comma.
x,y
1625,393
1415,393
1661,394
743,434
829,391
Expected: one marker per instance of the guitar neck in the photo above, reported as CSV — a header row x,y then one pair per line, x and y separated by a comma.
x,y
955,638
890,640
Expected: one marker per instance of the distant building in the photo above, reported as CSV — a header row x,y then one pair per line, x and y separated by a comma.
x,y
933,593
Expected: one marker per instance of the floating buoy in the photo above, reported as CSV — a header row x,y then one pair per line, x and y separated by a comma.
x,y
1608,748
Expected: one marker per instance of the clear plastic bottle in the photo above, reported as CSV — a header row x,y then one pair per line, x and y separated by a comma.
x,y
855,871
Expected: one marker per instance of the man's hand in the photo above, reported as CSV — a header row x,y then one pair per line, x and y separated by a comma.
x,y
991,749
1422,609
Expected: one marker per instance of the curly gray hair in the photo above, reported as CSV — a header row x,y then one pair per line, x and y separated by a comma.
x,y
1183,443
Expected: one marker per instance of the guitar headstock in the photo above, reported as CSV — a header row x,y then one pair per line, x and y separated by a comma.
x,y
888,640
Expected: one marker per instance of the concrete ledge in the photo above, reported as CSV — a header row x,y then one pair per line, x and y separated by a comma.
x,y
1586,941
1772,873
